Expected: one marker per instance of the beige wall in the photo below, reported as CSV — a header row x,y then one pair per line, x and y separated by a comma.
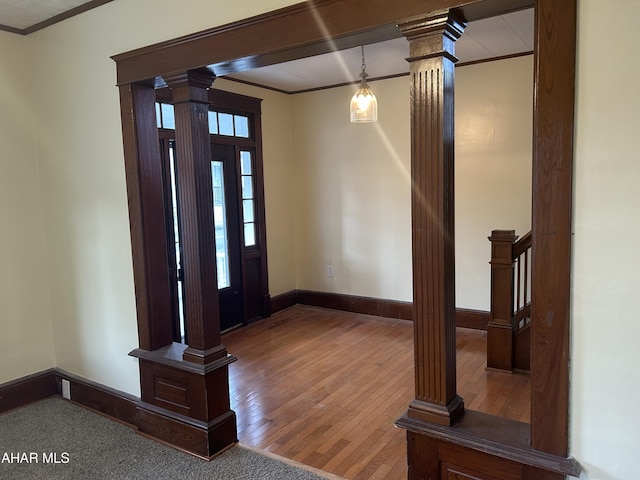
x,y
352,186
605,356
494,125
352,194
26,344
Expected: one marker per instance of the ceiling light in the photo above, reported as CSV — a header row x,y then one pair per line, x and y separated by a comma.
x,y
364,106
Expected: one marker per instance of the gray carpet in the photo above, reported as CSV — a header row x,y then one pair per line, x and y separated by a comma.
x,y
95,447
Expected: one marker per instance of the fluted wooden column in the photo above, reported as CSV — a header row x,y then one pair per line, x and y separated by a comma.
x,y
193,163
432,61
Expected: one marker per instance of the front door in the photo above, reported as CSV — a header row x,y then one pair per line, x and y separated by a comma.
x,y
226,214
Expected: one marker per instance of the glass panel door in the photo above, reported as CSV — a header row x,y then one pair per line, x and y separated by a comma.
x,y
221,224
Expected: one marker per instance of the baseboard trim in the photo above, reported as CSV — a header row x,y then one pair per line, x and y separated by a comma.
x,y
284,300
475,319
113,403
465,317
23,391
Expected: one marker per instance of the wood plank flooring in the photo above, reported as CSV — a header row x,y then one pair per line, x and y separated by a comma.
x,y
323,388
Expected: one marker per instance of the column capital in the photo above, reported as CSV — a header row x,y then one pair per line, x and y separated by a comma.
x,y
433,36
191,85
443,22
201,77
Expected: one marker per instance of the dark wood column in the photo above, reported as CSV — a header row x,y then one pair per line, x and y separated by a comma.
x,y
146,214
195,199
184,388
432,59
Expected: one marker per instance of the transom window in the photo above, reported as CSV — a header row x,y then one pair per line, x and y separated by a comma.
x,y
220,123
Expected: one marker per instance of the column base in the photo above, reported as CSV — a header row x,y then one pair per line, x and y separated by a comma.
x,y
204,439
445,415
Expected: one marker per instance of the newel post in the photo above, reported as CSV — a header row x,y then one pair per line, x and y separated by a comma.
x,y
500,331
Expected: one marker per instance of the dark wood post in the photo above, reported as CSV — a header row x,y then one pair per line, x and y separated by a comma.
x,y
143,167
431,43
185,388
499,330
193,164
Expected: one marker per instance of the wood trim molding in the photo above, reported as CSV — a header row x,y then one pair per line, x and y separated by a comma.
x,y
226,50
113,403
496,436
22,391
553,124
108,401
465,317
356,304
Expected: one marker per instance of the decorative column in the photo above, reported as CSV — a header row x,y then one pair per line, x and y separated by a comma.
x,y
431,42
499,330
185,388
195,200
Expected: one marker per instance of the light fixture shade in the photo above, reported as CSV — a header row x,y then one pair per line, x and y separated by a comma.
x,y
364,106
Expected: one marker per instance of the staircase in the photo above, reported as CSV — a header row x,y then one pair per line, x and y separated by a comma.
x,y
509,330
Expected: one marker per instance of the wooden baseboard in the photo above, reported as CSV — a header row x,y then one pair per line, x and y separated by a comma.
x,y
475,319
23,391
356,304
465,317
108,401
284,300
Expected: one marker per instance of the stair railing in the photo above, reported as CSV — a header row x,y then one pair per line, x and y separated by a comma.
x,y
510,295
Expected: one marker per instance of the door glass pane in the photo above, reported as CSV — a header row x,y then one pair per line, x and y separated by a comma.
x,y
247,210
168,120
176,233
213,122
245,162
220,222
242,126
249,234
225,123
247,187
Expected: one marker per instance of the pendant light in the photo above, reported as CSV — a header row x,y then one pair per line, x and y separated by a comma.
x,y
364,106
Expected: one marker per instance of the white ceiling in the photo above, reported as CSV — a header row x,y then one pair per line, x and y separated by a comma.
x,y
489,38
21,14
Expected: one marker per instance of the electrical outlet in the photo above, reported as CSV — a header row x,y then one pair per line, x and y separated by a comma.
x,y
66,389
329,270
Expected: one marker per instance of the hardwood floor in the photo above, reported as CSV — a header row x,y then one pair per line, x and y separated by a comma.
x,y
323,388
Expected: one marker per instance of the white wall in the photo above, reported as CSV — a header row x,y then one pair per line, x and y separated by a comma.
x,y
605,393
494,125
352,185
26,344
352,193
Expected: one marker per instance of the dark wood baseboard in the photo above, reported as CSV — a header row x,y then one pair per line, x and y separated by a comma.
x,y
110,402
284,300
23,391
475,319
465,317
356,304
